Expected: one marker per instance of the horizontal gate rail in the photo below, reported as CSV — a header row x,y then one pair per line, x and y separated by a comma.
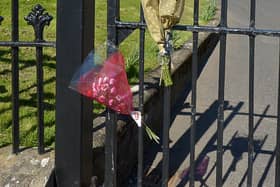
x,y
229,30
27,44
211,29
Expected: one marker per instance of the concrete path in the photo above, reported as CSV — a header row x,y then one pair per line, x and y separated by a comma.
x,y
236,104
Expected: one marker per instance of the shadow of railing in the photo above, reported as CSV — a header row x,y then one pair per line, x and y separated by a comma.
x,y
181,149
209,147
238,145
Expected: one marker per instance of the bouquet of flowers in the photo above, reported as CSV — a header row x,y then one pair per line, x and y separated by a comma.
x,y
104,80
161,16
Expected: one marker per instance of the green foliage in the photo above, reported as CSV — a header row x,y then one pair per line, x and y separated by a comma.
x,y
98,108
210,11
132,63
165,75
178,41
152,136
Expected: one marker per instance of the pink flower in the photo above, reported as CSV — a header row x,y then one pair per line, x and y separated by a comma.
x,y
118,98
105,80
98,87
104,87
93,85
111,102
102,98
112,81
121,108
113,91
100,80
94,93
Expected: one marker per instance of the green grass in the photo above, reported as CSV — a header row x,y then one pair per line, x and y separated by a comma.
x,y
210,11
28,120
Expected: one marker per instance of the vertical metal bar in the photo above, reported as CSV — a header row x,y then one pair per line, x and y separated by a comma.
x,y
38,22
40,112
15,78
110,149
194,93
277,167
166,122
165,138
74,116
219,168
251,95
141,100
111,116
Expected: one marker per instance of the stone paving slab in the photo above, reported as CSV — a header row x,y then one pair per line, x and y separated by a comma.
x,y
27,169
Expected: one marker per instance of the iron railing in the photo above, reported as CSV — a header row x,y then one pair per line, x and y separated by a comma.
x,y
75,38
38,18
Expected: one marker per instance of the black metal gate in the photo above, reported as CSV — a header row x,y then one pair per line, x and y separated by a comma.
x,y
116,29
75,39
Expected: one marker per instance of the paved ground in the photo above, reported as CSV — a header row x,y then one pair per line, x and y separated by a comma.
x,y
236,114
28,169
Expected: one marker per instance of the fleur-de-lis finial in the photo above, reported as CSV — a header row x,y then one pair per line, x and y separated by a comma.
x,y
38,18
1,19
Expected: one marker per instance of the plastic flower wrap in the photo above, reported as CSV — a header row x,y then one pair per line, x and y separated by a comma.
x,y
106,84
104,80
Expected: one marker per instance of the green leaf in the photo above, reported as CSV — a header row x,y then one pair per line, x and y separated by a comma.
x,y
151,134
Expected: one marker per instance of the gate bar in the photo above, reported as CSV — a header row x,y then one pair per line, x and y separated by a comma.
x,y
40,98
277,166
251,95
229,30
15,78
221,93
166,122
211,29
74,116
27,44
38,22
110,179
194,93
141,100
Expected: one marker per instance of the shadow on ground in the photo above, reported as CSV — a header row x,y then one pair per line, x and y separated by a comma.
x,y
238,145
